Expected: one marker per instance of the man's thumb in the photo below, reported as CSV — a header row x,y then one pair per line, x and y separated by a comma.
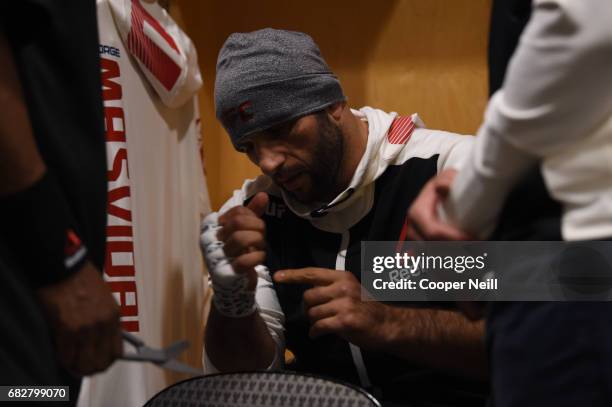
x,y
259,203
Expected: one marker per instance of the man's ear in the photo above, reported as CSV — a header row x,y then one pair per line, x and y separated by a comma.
x,y
336,110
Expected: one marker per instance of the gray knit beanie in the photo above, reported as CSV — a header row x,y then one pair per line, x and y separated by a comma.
x,y
267,77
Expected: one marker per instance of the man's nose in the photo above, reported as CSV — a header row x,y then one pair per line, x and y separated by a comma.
x,y
269,159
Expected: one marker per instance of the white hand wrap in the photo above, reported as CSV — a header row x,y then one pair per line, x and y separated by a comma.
x,y
231,295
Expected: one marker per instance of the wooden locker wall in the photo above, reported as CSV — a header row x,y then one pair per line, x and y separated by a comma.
x,y
424,56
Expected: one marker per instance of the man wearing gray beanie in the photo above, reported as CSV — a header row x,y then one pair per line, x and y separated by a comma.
x,y
332,178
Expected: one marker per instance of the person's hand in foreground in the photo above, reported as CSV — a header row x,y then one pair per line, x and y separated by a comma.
x,y
423,219
84,320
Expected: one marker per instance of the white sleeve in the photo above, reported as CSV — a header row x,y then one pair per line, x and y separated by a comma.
x,y
555,92
455,155
265,295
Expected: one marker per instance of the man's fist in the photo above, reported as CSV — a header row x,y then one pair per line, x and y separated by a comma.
x,y
84,319
243,234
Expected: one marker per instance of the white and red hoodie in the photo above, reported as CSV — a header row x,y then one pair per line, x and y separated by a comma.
x,y
400,157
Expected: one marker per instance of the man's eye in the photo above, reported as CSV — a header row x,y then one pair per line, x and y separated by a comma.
x,y
282,131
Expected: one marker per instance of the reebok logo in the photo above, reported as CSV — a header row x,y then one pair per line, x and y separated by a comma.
x,y
242,111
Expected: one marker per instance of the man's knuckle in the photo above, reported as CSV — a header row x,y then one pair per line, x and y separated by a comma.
x,y
260,239
240,263
345,288
236,221
259,256
227,215
347,303
237,210
308,296
244,211
344,320
321,325
228,225
241,222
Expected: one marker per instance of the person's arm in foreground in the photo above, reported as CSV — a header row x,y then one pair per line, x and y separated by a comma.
x,y
440,339
80,310
554,94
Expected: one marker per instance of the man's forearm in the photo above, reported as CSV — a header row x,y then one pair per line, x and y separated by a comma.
x,y
234,344
478,192
440,339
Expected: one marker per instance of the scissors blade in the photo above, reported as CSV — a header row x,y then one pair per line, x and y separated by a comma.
x,y
176,349
133,339
139,357
143,352
177,366
164,358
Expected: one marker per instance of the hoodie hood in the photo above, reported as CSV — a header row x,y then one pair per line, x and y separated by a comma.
x,y
388,135
164,53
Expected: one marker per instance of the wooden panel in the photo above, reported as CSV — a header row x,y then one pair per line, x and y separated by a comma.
x,y
425,56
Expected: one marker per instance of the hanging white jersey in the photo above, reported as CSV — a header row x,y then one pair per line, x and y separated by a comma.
x,y
156,193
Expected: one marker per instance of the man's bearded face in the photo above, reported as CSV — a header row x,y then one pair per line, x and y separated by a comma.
x,y
303,157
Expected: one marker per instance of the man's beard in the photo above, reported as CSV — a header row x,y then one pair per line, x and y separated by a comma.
x,y
327,160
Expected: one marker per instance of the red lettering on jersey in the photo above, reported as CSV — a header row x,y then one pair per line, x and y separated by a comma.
x,y
119,270
122,264
115,195
119,231
120,156
112,133
111,90
128,302
144,48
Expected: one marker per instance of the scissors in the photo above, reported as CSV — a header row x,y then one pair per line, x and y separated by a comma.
x,y
164,358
